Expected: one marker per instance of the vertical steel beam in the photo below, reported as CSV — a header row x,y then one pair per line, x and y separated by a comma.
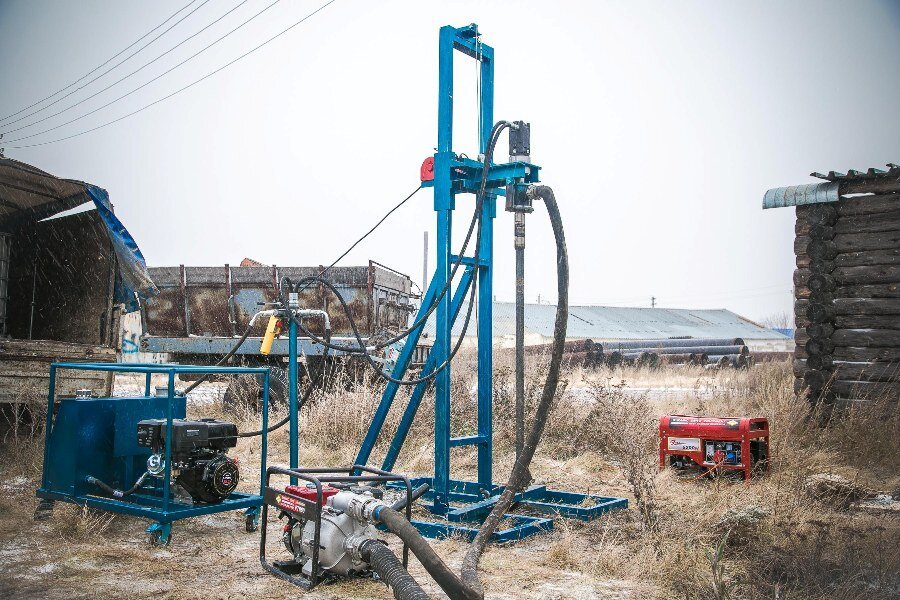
x,y
292,396
485,341
485,274
443,204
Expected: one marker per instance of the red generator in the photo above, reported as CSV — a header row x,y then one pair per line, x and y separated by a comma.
x,y
717,444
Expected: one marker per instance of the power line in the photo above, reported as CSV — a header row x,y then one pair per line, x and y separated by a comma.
x,y
188,86
118,81
107,62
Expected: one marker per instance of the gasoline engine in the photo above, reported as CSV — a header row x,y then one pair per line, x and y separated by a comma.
x,y
200,463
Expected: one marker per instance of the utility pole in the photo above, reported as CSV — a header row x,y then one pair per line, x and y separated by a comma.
x,y
652,301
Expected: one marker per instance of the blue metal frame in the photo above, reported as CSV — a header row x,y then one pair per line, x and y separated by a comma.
x,y
454,175
155,503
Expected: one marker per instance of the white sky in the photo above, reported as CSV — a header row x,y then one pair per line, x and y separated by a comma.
x,y
659,125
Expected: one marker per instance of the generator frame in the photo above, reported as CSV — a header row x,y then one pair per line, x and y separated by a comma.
x,y
742,430
153,502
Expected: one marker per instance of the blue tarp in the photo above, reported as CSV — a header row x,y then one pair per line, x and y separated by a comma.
x,y
133,281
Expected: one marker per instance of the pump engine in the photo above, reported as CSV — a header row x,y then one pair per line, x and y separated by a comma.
x,y
200,463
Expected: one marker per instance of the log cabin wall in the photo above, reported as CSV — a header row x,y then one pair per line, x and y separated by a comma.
x,y
847,285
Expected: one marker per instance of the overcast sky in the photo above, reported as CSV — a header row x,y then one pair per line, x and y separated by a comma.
x,y
659,125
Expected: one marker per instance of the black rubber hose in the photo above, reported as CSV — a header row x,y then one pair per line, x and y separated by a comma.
x,y
118,493
372,362
440,572
416,494
476,219
391,571
519,477
223,360
301,402
469,587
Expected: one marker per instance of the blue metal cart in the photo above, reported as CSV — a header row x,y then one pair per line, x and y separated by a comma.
x,y
88,437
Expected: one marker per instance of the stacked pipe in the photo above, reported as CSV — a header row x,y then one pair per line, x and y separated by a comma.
x,y
731,352
710,352
847,305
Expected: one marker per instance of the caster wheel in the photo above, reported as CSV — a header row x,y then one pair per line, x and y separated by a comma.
x,y
251,523
158,541
44,510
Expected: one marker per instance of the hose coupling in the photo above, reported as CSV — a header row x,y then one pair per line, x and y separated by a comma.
x,y
358,506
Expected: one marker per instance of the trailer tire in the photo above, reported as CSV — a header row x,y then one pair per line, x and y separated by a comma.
x,y
244,393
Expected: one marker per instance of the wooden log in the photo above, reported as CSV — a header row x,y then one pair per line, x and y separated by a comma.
x,y
858,354
818,282
818,214
815,380
881,290
867,274
800,308
863,338
820,330
801,292
867,205
819,313
802,260
821,266
858,242
865,224
819,297
866,306
867,321
874,371
800,244
799,367
818,231
821,249
866,390
820,346
867,258
820,361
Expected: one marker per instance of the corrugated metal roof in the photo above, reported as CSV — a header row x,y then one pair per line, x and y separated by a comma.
x,y
620,323
816,193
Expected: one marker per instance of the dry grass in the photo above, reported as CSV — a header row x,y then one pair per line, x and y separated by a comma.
x,y
679,538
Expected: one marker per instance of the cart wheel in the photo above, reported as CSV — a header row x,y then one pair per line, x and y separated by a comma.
x,y
44,510
158,541
251,522
160,534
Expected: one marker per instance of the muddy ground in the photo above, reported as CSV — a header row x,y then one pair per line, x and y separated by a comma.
x,y
83,554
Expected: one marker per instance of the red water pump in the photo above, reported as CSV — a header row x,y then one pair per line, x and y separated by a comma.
x,y
715,444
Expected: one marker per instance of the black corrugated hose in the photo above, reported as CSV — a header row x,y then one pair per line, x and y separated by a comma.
x,y
118,493
391,570
469,586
